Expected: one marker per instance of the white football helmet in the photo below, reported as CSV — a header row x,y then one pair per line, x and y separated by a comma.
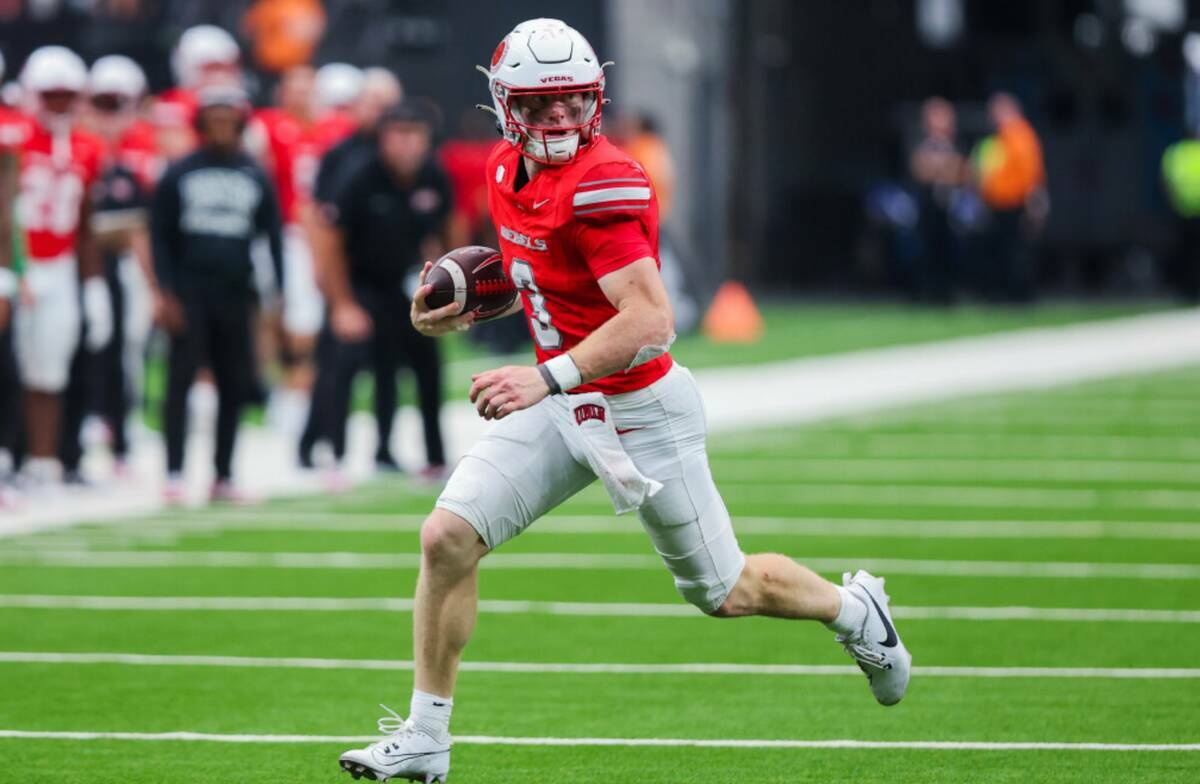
x,y
117,74
545,57
198,47
338,85
53,69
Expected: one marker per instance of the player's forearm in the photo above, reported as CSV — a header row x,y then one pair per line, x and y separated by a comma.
x,y
329,257
8,192
616,345
88,250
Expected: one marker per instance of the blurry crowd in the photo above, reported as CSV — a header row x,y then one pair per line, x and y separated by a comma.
x,y
191,216
965,221
234,256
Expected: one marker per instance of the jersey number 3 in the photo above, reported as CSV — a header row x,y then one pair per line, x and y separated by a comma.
x,y
543,331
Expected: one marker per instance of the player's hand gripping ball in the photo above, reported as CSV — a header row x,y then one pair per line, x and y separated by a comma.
x,y
466,285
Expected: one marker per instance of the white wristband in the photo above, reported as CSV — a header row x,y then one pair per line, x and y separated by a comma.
x,y
565,372
8,283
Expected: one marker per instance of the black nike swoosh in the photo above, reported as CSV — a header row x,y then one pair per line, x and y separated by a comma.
x,y
394,758
891,639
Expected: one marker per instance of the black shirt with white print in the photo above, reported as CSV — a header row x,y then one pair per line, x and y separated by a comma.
x,y
207,210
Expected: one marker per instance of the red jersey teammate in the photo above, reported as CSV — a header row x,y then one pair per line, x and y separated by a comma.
x,y
59,163
578,226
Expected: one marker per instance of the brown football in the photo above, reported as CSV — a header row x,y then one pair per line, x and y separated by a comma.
x,y
473,275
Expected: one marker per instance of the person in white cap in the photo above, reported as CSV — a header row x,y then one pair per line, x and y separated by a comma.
x,y
59,164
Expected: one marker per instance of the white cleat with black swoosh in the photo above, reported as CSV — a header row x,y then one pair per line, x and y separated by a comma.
x,y
406,753
877,647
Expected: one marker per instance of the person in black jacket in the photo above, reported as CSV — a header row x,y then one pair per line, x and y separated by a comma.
x,y
207,209
391,214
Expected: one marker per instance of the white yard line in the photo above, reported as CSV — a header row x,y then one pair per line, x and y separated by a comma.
x,y
586,609
734,743
925,443
153,559
795,391
884,469
169,530
573,668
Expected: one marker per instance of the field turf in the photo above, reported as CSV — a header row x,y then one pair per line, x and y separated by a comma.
x,y
1042,550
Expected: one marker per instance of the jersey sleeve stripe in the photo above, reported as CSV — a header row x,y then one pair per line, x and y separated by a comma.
x,y
614,181
610,209
585,198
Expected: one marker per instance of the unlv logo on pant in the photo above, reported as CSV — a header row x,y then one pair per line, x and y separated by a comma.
x,y
588,411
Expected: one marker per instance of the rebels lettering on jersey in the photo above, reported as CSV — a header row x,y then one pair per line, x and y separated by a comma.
x,y
561,233
56,174
294,157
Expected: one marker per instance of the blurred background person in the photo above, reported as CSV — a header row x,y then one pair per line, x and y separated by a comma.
x,y
638,134
375,92
111,386
60,162
13,129
1010,176
206,212
283,138
393,214
1181,179
204,55
938,170
337,88
283,33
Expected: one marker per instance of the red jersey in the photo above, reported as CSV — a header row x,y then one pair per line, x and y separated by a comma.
x,y
561,233
333,126
294,157
15,128
176,106
137,151
56,174
465,163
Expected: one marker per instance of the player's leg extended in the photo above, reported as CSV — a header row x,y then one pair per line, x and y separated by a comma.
x,y
519,470
444,607
691,530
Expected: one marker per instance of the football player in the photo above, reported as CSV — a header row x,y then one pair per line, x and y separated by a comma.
x,y
205,55
116,87
282,137
14,127
578,228
59,163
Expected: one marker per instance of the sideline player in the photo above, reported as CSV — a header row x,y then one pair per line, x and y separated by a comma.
x,y
117,87
59,164
577,220
282,138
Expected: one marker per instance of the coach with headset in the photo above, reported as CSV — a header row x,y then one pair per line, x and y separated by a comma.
x,y
207,209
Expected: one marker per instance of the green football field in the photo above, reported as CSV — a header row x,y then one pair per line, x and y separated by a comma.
x,y
1042,551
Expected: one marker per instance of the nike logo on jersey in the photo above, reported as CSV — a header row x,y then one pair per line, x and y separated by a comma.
x,y
623,430
891,639
539,204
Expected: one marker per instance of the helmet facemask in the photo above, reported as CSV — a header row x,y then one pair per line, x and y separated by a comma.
x,y
552,124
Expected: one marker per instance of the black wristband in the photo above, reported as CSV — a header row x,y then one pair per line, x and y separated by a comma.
x,y
548,377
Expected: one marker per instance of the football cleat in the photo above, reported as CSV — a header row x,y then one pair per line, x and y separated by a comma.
x,y
406,753
877,647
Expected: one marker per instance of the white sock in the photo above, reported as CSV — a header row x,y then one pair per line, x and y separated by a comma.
x,y
431,714
851,616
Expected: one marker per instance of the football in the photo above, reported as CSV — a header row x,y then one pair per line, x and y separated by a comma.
x,y
473,275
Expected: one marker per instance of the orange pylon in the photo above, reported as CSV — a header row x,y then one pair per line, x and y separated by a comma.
x,y
733,317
